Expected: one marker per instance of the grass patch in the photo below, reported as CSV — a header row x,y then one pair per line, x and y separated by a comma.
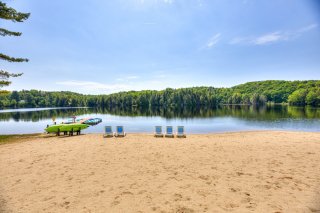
x,y
4,139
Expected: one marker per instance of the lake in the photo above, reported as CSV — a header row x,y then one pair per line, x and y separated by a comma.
x,y
220,119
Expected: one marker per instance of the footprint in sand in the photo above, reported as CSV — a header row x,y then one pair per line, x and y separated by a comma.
x,y
155,208
134,186
118,198
204,177
231,206
126,193
114,203
177,197
202,193
234,189
184,210
141,192
65,204
99,193
48,198
314,209
185,186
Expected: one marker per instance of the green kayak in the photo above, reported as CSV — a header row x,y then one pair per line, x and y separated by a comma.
x,y
66,128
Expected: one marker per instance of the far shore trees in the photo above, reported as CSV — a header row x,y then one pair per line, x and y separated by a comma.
x,y
8,13
252,93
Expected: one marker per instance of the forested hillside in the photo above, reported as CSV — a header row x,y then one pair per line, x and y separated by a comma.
x,y
255,93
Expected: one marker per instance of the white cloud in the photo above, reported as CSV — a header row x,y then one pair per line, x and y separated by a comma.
x,y
270,38
128,78
161,76
261,40
148,2
168,1
133,77
213,40
157,81
91,86
273,37
308,28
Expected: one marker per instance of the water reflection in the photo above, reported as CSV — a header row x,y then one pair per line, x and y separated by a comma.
x,y
265,113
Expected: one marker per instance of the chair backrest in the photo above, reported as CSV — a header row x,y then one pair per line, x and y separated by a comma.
x,y
120,130
158,129
180,130
169,130
108,129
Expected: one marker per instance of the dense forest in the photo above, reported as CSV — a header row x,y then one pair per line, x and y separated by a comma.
x,y
252,93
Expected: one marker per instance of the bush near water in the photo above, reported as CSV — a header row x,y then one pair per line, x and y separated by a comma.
x,y
252,93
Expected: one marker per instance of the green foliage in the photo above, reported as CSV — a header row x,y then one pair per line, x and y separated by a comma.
x,y
11,59
252,93
298,97
313,97
9,13
4,32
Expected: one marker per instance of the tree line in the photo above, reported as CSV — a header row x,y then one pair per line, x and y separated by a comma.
x,y
252,93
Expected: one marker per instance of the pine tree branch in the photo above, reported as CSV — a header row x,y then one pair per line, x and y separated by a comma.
x,y
6,75
4,83
9,13
5,32
11,59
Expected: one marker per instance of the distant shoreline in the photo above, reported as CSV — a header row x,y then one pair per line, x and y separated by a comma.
x,y
296,93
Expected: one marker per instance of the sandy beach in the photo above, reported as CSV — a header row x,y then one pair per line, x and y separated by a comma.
x,y
267,171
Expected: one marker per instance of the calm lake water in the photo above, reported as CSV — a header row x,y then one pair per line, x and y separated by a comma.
x,y
221,119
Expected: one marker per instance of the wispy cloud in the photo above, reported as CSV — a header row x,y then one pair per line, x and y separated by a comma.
x,y
213,40
270,38
133,77
128,78
155,1
168,1
308,28
273,37
91,86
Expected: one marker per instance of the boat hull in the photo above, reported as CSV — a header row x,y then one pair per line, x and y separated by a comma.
x,y
66,128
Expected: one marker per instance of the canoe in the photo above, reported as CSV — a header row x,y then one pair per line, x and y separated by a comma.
x,y
66,128
93,121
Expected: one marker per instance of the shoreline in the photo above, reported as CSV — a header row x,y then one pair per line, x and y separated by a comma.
x,y
253,171
151,133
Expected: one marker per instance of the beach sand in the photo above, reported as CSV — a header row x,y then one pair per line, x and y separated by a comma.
x,y
266,171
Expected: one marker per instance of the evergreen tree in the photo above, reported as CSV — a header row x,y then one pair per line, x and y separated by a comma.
x,y
11,14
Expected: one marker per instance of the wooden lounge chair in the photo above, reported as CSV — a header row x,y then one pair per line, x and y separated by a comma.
x,y
169,132
120,132
180,132
108,131
158,131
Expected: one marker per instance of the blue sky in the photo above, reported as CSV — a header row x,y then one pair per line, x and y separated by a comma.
x,y
99,47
